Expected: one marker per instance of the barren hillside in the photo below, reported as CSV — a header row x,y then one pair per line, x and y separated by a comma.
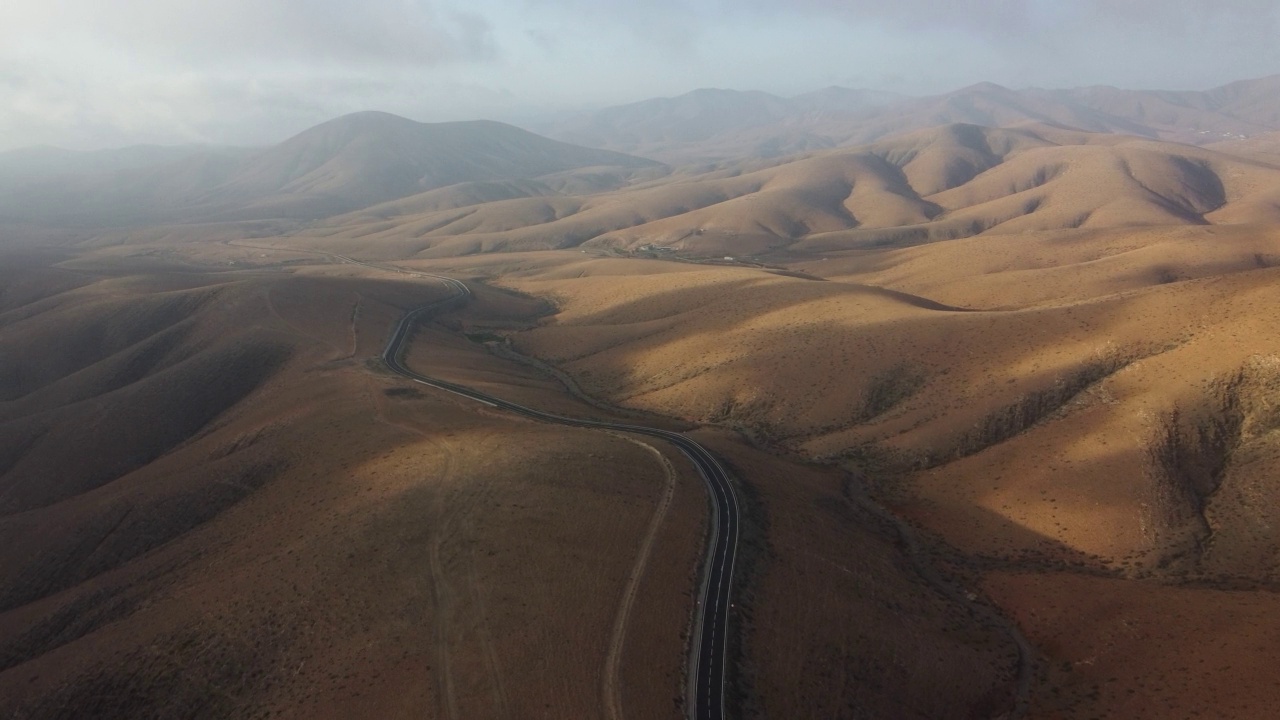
x,y
254,518
1081,419
215,506
957,181
716,125
347,163
995,374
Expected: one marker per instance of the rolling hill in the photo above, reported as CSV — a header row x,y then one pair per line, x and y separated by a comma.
x,y
955,181
1082,419
995,372
215,505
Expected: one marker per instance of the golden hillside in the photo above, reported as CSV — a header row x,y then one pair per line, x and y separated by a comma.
x,y
947,183
1001,403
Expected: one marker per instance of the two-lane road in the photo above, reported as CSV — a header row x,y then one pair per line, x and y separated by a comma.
x,y
710,651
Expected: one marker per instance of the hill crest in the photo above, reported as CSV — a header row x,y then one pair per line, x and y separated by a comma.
x,y
338,166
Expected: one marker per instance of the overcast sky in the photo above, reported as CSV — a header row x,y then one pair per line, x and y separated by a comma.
x,y
93,73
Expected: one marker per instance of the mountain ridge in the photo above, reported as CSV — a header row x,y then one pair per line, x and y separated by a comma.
x,y
344,164
731,124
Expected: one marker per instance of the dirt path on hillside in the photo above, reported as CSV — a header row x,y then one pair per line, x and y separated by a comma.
x,y
612,692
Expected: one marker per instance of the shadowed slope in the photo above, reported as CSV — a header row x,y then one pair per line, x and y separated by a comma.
x,y
325,540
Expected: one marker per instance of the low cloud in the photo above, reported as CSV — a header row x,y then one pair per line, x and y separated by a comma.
x,y
86,73
200,33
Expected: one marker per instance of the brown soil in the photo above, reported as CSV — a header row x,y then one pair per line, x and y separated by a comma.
x,y
1051,353
331,541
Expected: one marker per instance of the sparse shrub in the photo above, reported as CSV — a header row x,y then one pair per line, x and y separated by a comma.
x,y
1033,407
890,388
749,418
1192,449
484,337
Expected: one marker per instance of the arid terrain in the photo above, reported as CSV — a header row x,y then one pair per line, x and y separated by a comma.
x,y
1000,392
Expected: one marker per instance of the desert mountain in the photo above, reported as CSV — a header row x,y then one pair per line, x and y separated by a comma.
x,y
944,183
1027,353
709,125
1243,108
344,164
366,158
713,124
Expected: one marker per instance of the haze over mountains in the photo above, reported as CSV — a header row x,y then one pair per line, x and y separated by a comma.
x,y
995,373
364,159
938,184
716,124
347,163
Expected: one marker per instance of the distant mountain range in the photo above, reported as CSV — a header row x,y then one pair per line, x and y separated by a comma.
x,y
342,165
383,165
714,125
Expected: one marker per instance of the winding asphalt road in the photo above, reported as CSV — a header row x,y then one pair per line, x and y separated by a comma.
x,y
706,683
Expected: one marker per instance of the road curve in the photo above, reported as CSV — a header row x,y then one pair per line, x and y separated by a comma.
x,y
711,649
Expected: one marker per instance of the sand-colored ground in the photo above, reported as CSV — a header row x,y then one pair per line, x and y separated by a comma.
x,y
335,542
400,551
840,621
1035,417
934,185
1140,650
1050,353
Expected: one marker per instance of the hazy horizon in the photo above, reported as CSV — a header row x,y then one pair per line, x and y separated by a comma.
x,y
81,76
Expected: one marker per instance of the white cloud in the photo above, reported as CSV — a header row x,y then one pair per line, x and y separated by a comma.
x,y
90,73
202,33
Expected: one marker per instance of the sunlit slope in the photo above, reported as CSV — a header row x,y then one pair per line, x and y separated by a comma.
x,y
102,379
995,271
940,184
1086,417
838,368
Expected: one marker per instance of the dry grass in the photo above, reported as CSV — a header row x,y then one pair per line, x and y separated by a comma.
x,y
1190,455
